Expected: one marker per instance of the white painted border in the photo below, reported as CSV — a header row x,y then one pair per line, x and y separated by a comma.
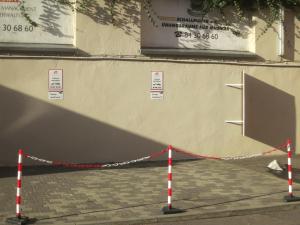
x,y
243,102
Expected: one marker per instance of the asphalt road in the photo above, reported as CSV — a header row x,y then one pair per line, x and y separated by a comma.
x,y
271,218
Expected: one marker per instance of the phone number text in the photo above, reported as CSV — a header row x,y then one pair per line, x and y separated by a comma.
x,y
16,28
181,34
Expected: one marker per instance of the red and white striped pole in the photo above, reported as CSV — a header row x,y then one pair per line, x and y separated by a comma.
x,y
290,197
169,209
19,184
170,177
18,219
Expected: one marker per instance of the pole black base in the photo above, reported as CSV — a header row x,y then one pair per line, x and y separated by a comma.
x,y
167,210
18,220
291,198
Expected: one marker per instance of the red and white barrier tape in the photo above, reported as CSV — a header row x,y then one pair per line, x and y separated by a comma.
x,y
38,159
126,162
86,166
154,155
248,156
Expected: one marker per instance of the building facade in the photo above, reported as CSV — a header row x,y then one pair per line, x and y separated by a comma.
x,y
106,107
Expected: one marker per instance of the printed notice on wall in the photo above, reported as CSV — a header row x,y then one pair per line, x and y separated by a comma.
x,y
157,80
157,85
156,95
55,95
55,23
55,84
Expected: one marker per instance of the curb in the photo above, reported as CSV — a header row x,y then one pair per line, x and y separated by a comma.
x,y
210,215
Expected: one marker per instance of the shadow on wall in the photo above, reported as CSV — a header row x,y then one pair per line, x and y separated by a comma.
x,y
269,113
53,133
122,13
50,17
289,36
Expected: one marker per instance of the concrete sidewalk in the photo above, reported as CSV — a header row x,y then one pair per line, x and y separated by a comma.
x,y
135,195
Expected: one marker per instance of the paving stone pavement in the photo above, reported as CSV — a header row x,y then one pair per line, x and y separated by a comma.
x,y
136,194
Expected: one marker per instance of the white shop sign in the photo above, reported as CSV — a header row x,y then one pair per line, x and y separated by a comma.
x,y
180,28
56,23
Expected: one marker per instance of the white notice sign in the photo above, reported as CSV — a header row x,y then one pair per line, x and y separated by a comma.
x,y
156,95
55,84
55,80
157,81
157,85
55,95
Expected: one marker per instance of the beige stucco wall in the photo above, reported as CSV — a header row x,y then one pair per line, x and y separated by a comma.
x,y
107,114
96,35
